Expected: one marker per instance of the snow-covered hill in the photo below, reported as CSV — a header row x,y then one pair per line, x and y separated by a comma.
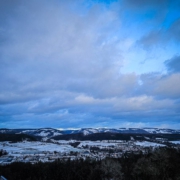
x,y
87,131
50,132
43,132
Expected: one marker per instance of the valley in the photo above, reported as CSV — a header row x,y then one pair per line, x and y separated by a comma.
x,y
48,145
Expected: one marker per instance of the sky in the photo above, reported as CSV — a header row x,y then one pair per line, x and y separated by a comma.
x,y
90,63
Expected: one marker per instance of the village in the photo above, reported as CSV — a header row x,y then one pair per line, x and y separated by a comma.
x,y
39,151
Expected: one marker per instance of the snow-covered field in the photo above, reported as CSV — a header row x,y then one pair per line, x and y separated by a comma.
x,y
96,143
23,147
148,144
64,146
175,142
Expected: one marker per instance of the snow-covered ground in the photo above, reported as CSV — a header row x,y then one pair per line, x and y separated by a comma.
x,y
175,142
96,143
148,144
63,146
23,147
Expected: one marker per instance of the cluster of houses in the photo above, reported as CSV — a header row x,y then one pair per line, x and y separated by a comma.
x,y
96,151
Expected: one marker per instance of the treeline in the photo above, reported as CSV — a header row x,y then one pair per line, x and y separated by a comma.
x,y
115,136
3,152
160,164
16,137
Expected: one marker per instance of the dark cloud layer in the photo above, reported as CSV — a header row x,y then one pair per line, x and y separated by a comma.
x,y
164,24
147,3
173,64
175,30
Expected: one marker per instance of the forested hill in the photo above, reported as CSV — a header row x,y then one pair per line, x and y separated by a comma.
x,y
16,137
116,136
89,134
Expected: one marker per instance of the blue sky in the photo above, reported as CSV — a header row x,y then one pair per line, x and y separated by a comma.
x,y
89,63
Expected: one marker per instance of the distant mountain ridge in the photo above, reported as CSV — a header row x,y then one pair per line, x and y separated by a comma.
x,y
51,132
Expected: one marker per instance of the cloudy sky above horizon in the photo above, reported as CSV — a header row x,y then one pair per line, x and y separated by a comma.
x,y
89,63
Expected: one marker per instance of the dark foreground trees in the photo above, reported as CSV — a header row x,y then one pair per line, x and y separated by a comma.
x,y
161,164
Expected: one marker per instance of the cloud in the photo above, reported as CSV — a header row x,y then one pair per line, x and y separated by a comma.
x,y
175,30
161,37
173,64
161,86
150,40
168,87
147,3
161,20
152,9
61,63
51,47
